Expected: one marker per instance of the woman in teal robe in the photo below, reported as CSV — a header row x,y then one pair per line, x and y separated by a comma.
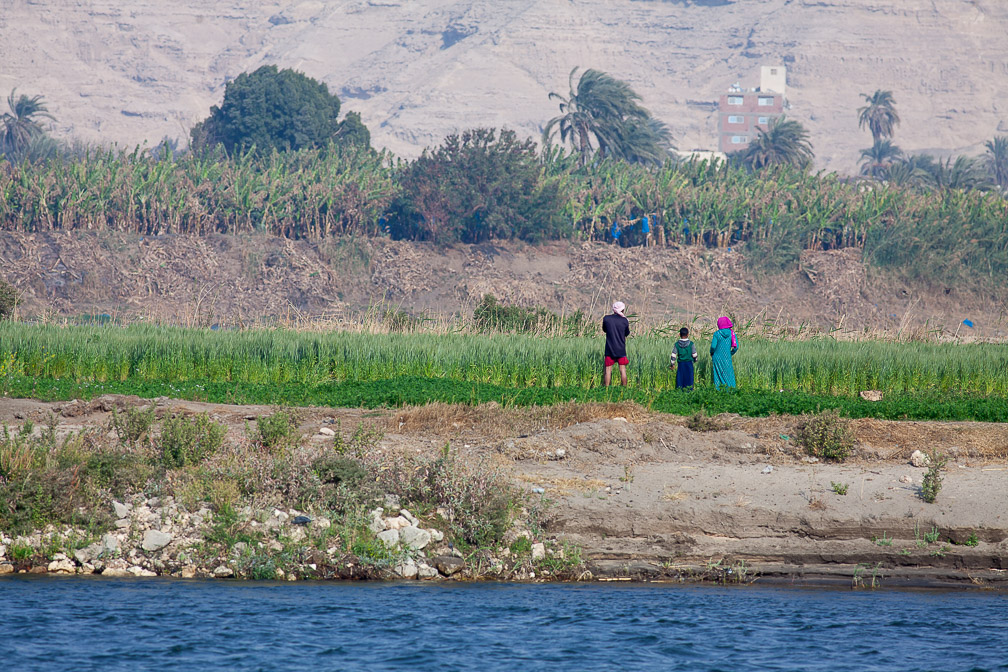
x,y
723,346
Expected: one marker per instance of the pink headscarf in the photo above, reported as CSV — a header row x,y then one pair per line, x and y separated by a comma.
x,y
618,308
726,323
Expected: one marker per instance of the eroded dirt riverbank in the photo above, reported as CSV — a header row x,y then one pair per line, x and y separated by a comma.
x,y
646,497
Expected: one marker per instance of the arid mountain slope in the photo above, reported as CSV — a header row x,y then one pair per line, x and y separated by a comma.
x,y
130,72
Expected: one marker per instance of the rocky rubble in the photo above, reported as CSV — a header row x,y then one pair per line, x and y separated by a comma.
x,y
158,537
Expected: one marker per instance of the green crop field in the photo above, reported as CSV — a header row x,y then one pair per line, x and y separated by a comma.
x,y
941,380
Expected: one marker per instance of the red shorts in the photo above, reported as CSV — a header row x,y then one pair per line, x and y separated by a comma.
x,y
623,361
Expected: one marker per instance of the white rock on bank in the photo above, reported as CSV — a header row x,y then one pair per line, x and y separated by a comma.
x,y
437,536
88,554
325,431
396,523
538,551
389,537
6,568
3,550
223,572
919,459
121,510
137,570
155,540
410,517
414,537
115,571
425,571
377,523
61,564
407,570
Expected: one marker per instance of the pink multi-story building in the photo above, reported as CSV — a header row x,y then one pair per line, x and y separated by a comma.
x,y
741,112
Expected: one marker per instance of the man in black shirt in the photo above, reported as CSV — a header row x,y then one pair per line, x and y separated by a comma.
x,y
616,328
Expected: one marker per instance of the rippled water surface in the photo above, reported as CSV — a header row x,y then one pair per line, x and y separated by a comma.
x,y
117,624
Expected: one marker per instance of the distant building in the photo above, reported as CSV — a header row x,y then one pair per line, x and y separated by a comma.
x,y
741,112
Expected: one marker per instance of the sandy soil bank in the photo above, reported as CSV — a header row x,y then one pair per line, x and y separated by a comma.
x,y
646,497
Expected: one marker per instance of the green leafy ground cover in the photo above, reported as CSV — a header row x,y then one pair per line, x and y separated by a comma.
x,y
920,380
417,391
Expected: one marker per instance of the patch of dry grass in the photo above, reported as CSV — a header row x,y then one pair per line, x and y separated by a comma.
x,y
493,421
563,487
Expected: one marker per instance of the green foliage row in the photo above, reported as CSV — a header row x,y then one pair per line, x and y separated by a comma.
x,y
485,185
402,391
821,366
312,193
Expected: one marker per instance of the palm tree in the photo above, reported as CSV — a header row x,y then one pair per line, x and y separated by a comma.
x,y
22,123
879,159
784,142
914,170
964,173
997,159
602,113
879,115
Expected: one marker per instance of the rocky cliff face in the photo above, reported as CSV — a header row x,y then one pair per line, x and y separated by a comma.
x,y
126,72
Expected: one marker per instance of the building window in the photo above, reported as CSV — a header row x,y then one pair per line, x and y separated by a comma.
x,y
734,100
764,120
773,71
735,119
739,139
765,100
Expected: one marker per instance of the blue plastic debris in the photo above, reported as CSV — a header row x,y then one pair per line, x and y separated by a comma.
x,y
968,323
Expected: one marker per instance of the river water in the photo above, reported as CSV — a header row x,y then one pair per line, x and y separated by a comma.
x,y
89,623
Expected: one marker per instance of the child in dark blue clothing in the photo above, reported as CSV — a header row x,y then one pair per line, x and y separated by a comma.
x,y
683,360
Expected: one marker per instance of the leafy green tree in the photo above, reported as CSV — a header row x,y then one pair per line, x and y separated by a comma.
x,y
272,109
603,114
879,115
22,123
996,160
476,187
352,131
783,143
878,159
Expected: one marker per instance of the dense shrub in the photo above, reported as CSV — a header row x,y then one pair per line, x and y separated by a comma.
x,y
133,426
827,436
491,315
932,482
476,187
276,430
477,499
186,440
8,299
338,469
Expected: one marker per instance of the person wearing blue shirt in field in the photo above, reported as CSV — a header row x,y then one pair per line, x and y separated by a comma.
x,y
683,360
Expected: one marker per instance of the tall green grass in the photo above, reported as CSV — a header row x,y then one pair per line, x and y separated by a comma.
x,y
822,365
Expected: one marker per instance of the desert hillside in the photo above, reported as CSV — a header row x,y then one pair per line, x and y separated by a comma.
x,y
132,72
